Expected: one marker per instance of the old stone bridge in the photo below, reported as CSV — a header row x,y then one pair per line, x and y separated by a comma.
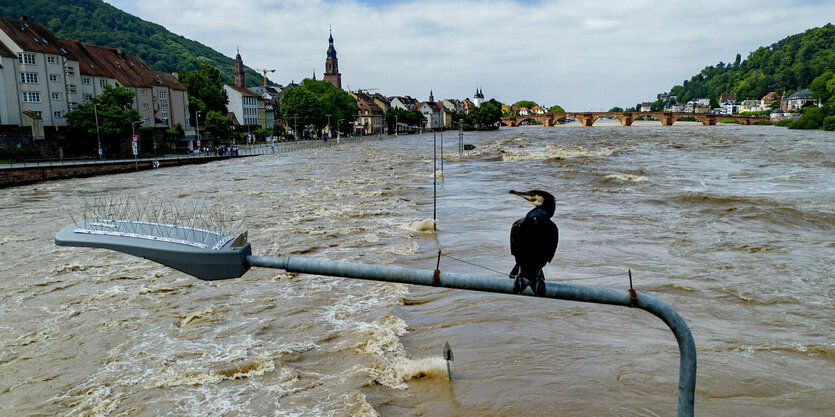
x,y
626,118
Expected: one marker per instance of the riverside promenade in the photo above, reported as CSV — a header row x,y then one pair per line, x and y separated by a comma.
x,y
29,172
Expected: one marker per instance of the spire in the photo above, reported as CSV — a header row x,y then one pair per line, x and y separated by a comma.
x,y
431,97
314,74
240,81
331,49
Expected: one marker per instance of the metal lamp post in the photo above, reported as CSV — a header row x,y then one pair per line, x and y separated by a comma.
x,y
329,124
132,136
98,136
197,124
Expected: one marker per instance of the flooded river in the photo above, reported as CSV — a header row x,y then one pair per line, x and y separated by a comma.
x,y
730,225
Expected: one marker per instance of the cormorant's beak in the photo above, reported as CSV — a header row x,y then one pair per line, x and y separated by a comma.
x,y
524,195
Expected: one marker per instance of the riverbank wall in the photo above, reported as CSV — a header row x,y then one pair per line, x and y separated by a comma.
x,y
14,176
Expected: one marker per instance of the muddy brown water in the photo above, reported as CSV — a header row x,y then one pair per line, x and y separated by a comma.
x,y
730,225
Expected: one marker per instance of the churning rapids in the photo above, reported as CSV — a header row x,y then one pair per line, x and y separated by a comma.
x,y
730,225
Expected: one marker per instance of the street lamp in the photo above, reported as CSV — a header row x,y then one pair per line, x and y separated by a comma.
x,y
338,123
197,123
329,125
132,138
98,137
395,125
295,128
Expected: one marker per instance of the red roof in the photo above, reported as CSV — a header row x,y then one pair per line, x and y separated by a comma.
x,y
244,92
33,37
127,70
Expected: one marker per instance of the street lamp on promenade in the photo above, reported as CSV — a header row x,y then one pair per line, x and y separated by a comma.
x,y
197,123
132,136
329,123
295,128
98,137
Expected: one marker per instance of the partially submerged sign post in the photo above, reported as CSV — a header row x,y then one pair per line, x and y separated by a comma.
x,y
449,357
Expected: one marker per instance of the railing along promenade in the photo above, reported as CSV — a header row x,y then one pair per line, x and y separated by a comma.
x,y
243,150
626,118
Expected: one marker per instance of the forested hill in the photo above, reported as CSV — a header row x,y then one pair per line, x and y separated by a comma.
x,y
98,23
786,66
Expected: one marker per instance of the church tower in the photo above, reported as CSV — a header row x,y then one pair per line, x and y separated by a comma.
x,y
431,97
332,66
240,81
478,98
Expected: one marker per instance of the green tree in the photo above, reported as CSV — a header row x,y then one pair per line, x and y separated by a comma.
x,y
108,116
317,103
523,103
486,115
658,105
556,109
205,91
615,110
218,126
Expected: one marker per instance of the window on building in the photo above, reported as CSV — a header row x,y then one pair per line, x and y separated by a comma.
x,y
26,58
86,80
51,59
71,89
29,77
88,98
57,114
164,110
31,97
56,96
69,70
162,95
144,91
37,113
144,106
102,83
55,78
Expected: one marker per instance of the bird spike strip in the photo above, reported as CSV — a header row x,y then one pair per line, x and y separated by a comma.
x,y
189,223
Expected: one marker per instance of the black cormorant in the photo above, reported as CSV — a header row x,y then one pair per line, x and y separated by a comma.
x,y
533,242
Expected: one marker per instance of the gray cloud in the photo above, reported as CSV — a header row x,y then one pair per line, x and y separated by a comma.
x,y
582,55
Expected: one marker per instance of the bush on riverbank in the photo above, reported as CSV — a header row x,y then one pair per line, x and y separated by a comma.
x,y
17,154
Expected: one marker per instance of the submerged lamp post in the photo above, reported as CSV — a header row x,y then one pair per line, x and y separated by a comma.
x,y
134,145
98,137
216,255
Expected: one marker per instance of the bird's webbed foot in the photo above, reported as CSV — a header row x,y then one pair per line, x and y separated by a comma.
x,y
538,287
520,283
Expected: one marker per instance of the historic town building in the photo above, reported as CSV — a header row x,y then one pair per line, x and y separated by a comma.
x,y
332,66
43,77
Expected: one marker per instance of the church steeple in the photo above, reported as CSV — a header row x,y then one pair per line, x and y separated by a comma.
x,y
240,81
431,97
332,64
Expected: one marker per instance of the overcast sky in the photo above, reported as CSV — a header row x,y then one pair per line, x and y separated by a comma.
x,y
582,55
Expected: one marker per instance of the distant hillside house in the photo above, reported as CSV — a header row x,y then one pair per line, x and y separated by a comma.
x,y
750,105
768,100
725,98
800,99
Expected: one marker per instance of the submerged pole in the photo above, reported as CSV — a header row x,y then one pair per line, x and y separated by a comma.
x,y
686,344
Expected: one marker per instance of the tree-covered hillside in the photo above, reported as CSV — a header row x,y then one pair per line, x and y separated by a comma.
x,y
98,23
786,66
